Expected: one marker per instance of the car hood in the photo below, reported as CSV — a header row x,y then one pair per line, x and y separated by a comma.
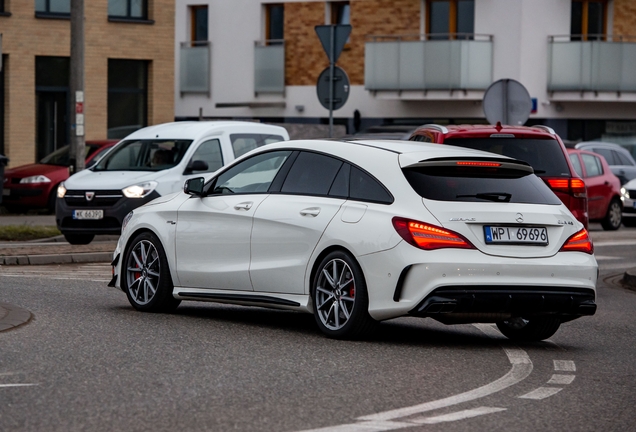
x,y
34,169
101,180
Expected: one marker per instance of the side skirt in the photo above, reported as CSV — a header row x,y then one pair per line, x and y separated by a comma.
x,y
245,298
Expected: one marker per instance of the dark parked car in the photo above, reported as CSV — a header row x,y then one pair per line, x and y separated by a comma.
x,y
603,188
618,158
539,146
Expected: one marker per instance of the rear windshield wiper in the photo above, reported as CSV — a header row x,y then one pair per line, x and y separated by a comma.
x,y
490,196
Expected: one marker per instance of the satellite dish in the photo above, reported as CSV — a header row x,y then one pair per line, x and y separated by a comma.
x,y
507,101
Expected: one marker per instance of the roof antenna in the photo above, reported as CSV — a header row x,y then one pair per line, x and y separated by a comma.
x,y
498,126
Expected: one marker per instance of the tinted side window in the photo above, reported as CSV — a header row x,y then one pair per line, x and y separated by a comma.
x,y
576,163
607,154
311,174
209,152
592,165
340,186
363,187
624,160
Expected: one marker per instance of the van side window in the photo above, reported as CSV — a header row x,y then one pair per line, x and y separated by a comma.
x,y
209,152
243,143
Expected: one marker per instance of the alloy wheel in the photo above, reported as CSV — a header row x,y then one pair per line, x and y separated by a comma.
x,y
143,271
335,294
615,214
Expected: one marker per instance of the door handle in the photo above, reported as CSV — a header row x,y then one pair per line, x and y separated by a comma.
x,y
607,183
243,206
311,211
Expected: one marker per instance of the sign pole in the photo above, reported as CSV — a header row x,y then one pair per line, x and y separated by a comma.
x,y
77,85
331,64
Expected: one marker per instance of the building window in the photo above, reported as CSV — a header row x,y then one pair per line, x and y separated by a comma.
x,y
199,23
52,102
340,12
53,7
275,22
127,97
128,9
588,20
2,6
449,19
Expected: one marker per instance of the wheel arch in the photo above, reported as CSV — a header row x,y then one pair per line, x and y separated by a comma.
x,y
322,255
133,235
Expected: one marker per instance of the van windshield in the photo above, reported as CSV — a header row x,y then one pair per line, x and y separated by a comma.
x,y
144,155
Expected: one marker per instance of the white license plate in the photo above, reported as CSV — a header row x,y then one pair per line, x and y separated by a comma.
x,y
516,235
88,214
6,192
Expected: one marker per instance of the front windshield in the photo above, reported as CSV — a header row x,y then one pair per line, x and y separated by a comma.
x,y
144,155
61,156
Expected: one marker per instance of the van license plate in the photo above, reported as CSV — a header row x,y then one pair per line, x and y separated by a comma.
x,y
88,214
516,235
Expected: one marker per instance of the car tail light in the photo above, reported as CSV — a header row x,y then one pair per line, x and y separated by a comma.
x,y
571,186
429,237
579,242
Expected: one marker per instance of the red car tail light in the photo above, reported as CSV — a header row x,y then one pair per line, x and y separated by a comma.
x,y
429,237
579,242
571,186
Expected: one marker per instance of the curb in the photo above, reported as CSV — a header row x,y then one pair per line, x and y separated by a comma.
x,y
87,257
629,278
13,316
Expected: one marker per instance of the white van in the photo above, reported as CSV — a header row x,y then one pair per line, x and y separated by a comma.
x,y
149,163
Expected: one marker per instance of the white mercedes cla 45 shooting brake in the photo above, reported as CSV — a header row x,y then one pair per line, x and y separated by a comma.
x,y
363,231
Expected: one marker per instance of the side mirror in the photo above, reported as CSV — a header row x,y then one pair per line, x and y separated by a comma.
x,y
196,165
194,186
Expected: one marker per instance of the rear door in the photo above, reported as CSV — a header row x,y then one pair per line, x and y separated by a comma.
x,y
598,189
499,206
290,222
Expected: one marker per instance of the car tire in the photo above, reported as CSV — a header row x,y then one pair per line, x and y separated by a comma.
x,y
629,222
340,298
79,239
614,216
145,276
531,329
51,202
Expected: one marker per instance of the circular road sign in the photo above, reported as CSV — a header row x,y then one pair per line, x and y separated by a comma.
x,y
507,101
340,88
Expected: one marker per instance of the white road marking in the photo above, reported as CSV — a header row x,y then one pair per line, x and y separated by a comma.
x,y
541,393
615,243
374,426
607,258
561,379
564,365
459,415
16,385
87,272
521,368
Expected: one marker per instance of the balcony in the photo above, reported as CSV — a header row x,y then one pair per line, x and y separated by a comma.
x,y
428,62
606,64
269,66
194,67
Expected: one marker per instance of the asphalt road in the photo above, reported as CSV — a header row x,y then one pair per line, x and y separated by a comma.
x,y
88,361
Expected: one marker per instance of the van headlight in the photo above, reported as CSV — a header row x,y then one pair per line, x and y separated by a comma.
x,y
61,191
140,190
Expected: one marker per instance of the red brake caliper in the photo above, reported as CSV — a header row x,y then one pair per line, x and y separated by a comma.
x,y
352,291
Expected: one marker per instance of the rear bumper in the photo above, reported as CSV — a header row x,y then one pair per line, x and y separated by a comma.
x,y
487,303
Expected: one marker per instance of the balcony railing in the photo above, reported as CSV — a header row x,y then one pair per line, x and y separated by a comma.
x,y
194,67
269,66
428,62
600,63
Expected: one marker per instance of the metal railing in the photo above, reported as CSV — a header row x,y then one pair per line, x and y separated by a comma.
x,y
269,66
194,67
453,61
592,63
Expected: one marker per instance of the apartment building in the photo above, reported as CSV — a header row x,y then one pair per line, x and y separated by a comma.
x,y
410,60
129,72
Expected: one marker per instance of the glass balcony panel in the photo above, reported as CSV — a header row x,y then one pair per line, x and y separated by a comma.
x,y
269,68
383,58
628,66
195,68
428,65
606,59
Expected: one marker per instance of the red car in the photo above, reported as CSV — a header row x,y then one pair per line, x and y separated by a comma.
x,y
539,146
603,188
34,186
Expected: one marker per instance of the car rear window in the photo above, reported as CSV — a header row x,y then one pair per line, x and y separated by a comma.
x,y
476,184
544,155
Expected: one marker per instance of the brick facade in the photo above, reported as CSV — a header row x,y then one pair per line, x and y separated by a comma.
x,y
304,56
25,37
624,18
